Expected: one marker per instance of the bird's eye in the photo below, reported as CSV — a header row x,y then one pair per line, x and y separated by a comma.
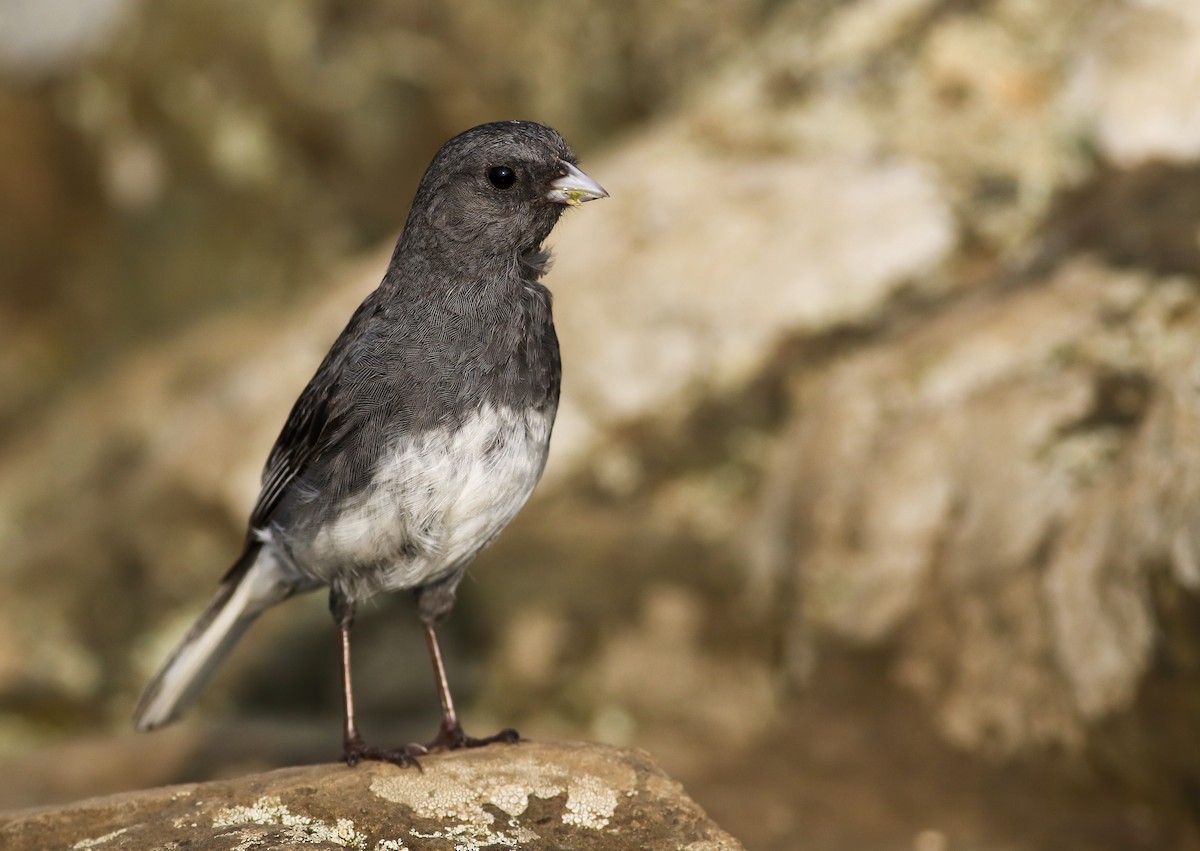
x,y
501,176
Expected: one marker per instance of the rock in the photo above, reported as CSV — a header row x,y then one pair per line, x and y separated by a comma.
x,y
1118,84
133,142
37,38
678,325
973,98
531,796
155,439
883,323
996,496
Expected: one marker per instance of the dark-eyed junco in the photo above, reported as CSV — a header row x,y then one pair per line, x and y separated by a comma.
x,y
423,431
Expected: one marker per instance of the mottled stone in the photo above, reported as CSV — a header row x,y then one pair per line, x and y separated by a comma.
x,y
659,321
993,496
1136,81
530,796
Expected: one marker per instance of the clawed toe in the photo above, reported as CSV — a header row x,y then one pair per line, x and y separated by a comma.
x,y
452,738
507,736
406,757
449,738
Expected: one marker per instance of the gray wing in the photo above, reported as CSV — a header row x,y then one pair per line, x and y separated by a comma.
x,y
319,418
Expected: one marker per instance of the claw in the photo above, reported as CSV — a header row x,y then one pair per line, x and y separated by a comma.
x,y
453,738
354,752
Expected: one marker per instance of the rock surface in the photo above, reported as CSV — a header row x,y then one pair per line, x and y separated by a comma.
x,y
533,796
880,362
922,479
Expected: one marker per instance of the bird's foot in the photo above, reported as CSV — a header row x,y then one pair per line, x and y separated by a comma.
x,y
355,750
450,737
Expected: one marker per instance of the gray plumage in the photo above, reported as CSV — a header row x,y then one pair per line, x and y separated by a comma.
x,y
427,425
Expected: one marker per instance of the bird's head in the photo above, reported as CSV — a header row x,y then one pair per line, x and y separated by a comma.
x,y
501,187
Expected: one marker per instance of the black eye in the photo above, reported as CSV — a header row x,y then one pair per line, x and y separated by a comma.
x,y
502,176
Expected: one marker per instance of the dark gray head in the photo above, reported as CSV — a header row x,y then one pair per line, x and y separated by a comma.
x,y
499,188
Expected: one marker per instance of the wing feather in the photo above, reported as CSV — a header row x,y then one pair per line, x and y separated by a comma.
x,y
312,424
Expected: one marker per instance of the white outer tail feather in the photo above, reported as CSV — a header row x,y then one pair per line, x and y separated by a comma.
x,y
236,605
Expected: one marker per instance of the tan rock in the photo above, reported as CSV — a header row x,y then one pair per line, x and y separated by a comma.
x,y
992,490
995,494
652,322
1136,81
531,796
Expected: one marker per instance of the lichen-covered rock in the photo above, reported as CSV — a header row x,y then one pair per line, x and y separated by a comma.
x,y
531,796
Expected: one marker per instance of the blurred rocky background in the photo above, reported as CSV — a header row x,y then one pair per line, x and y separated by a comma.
x,y
872,510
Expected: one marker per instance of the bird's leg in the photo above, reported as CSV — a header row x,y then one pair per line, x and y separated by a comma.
x,y
450,731
450,735
353,746
343,610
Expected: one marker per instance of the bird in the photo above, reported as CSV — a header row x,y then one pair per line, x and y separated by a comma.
x,y
423,431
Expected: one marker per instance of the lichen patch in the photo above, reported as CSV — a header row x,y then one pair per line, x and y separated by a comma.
x,y
473,837
590,803
99,840
270,810
450,791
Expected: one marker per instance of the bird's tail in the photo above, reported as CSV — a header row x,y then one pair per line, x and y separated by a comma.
x,y
252,585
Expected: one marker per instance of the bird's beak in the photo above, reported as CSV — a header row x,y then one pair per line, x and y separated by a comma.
x,y
574,187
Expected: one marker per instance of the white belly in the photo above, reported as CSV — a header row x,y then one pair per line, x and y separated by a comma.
x,y
433,504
